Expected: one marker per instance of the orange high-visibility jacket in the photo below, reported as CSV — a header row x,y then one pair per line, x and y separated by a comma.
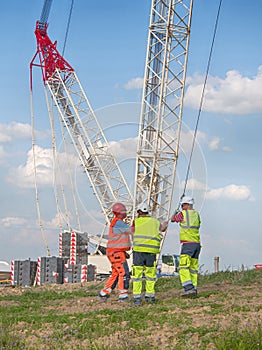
x,y
118,238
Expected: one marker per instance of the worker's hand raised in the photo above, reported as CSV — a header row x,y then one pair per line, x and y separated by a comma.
x,y
164,225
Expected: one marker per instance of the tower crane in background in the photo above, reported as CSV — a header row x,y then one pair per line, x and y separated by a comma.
x,y
80,121
162,102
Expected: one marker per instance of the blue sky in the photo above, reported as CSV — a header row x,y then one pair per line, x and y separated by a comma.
x,y
106,46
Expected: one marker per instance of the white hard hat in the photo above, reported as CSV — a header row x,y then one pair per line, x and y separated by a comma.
x,y
187,200
143,207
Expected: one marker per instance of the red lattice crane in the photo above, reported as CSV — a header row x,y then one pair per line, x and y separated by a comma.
x,y
78,117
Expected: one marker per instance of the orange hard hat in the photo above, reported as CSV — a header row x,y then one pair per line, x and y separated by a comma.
x,y
118,208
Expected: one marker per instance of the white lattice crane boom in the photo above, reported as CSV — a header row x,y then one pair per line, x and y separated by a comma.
x,y
80,121
162,102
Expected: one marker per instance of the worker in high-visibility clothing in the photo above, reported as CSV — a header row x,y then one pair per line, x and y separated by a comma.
x,y
189,221
146,245
118,244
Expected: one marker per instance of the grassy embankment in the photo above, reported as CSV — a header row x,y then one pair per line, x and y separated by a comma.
x,y
226,315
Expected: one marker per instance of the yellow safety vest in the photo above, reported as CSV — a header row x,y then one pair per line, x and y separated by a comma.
x,y
146,236
189,227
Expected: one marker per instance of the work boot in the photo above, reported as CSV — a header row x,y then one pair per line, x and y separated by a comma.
x,y
150,300
137,301
103,297
189,293
123,300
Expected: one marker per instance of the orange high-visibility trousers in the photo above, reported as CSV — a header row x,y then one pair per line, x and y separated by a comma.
x,y
120,274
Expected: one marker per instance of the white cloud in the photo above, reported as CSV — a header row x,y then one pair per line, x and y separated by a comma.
x,y
186,139
15,130
57,220
124,148
12,221
235,94
214,145
135,83
2,152
194,184
232,192
24,175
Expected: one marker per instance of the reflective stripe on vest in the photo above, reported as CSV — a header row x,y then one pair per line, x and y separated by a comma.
x,y
189,227
119,241
146,236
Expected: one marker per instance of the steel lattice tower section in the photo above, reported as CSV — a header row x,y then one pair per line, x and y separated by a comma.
x,y
162,102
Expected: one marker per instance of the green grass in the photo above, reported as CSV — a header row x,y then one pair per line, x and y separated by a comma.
x,y
241,340
224,316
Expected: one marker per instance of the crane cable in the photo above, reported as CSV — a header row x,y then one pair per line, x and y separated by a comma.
x,y
62,188
202,98
54,152
35,176
199,112
73,191
67,28
58,173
